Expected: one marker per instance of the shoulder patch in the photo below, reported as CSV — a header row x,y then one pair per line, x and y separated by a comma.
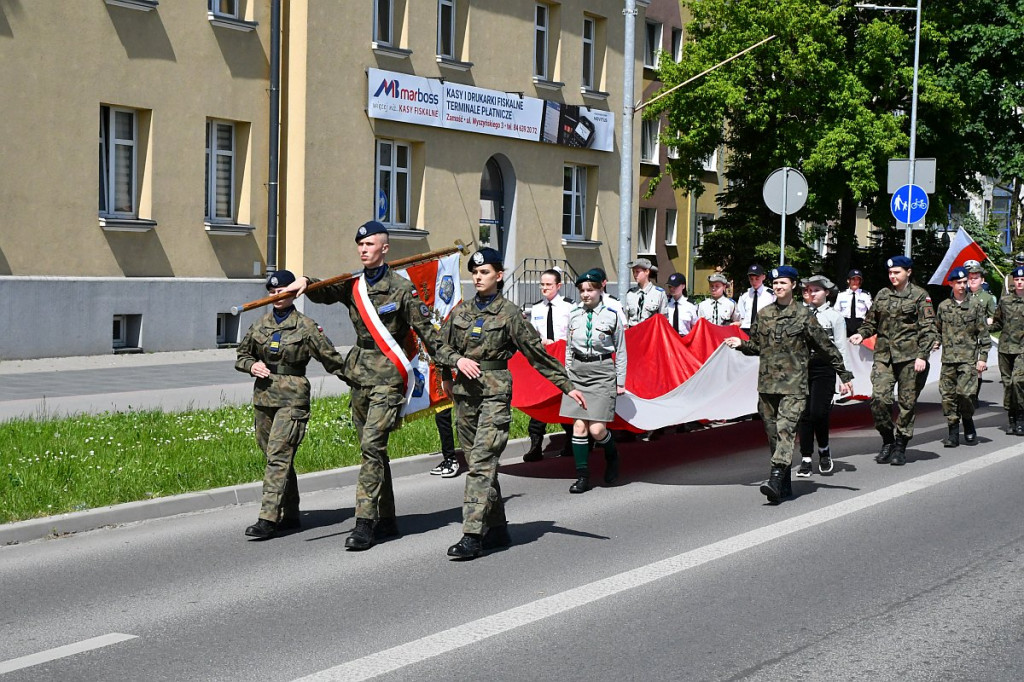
x,y
424,310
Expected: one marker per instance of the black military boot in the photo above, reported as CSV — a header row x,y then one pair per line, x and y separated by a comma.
x,y
469,547
774,487
361,537
386,528
953,439
496,537
970,433
611,467
534,453
899,451
262,530
582,483
884,455
1018,426
787,482
1011,417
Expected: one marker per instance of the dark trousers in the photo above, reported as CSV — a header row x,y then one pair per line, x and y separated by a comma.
x,y
853,325
443,421
821,387
537,429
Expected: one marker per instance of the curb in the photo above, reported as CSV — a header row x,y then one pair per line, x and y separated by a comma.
x,y
52,527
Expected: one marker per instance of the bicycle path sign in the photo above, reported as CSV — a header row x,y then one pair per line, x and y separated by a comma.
x,y
909,204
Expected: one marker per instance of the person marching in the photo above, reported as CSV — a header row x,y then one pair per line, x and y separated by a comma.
x,y
645,299
784,336
680,313
821,378
550,317
853,303
383,307
962,328
595,334
1009,319
978,289
756,298
719,308
480,336
276,350
904,320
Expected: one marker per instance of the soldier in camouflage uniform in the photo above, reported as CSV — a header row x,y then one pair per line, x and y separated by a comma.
x,y
480,336
963,332
976,289
378,390
904,320
276,350
1009,319
784,336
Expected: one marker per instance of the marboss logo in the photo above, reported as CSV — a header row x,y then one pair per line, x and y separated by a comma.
x,y
393,89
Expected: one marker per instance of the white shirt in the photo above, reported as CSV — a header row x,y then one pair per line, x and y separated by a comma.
x,y
559,308
744,306
687,314
654,301
845,301
717,310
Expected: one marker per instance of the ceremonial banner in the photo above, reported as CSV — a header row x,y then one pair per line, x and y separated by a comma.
x,y
961,249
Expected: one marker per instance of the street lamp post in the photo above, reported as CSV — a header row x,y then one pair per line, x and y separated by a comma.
x,y
913,102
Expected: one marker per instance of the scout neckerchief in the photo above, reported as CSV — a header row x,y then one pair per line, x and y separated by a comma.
x,y
591,312
391,349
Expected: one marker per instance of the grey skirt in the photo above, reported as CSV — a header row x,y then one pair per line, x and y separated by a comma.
x,y
596,381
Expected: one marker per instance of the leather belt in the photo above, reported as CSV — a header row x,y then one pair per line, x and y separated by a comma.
x,y
366,344
591,358
287,370
493,364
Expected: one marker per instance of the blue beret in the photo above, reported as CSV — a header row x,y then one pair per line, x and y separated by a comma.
x,y
787,271
957,273
370,228
485,256
900,262
593,275
1018,271
281,278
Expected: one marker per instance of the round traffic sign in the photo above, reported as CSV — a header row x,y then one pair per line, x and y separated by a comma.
x,y
909,204
785,187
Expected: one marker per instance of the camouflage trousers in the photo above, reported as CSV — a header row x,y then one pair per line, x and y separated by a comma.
x,y
884,378
1011,373
279,431
376,411
483,424
957,381
780,414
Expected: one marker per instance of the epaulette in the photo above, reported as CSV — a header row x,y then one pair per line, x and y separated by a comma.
x,y
539,301
614,298
657,288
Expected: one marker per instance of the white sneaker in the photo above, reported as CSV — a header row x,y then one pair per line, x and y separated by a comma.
x,y
451,469
805,468
825,461
439,469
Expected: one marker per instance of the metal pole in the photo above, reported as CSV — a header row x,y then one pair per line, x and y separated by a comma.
x,y
626,148
913,127
274,123
785,196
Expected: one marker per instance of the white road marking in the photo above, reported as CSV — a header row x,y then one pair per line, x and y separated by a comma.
x,y
63,652
440,643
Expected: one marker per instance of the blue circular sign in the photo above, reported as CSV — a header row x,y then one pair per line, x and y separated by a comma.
x,y
382,205
909,204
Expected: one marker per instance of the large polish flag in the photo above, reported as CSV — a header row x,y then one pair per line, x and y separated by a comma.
x,y
961,249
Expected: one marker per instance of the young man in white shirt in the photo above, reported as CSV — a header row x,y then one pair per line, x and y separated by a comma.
x,y
681,314
757,297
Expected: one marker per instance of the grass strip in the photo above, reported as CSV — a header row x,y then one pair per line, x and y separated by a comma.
x,y
52,466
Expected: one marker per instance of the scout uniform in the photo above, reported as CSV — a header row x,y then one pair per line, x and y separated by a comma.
x,y
751,302
963,332
646,302
284,340
1009,319
719,310
679,312
853,305
488,331
784,337
904,323
378,390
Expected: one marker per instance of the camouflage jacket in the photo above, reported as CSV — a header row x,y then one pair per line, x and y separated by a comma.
x,y
784,336
399,308
904,322
963,330
494,334
1009,319
987,299
300,339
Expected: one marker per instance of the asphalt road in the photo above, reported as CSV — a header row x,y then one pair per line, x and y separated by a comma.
x,y
679,572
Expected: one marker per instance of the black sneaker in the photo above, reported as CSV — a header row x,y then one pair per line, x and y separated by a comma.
x,y
805,467
825,465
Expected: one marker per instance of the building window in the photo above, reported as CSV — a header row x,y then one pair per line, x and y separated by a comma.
x,y
649,141
705,225
710,164
220,170
227,330
446,28
645,232
677,44
225,8
383,22
393,182
589,35
652,44
120,339
118,159
541,26
574,202
671,226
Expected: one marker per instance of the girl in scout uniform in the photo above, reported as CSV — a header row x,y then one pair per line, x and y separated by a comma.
x,y
595,333
480,336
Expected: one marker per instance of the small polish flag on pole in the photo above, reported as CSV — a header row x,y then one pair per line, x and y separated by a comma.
x,y
961,249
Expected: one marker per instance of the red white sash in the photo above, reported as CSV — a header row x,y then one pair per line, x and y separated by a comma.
x,y
385,341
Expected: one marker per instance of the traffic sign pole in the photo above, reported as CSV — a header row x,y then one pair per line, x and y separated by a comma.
x,y
782,243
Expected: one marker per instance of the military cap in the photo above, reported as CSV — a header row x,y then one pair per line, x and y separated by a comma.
x,y
957,273
755,269
644,263
973,266
854,273
1019,258
900,262
676,279
717,277
821,280
593,275
281,278
1018,271
787,272
485,256
370,228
